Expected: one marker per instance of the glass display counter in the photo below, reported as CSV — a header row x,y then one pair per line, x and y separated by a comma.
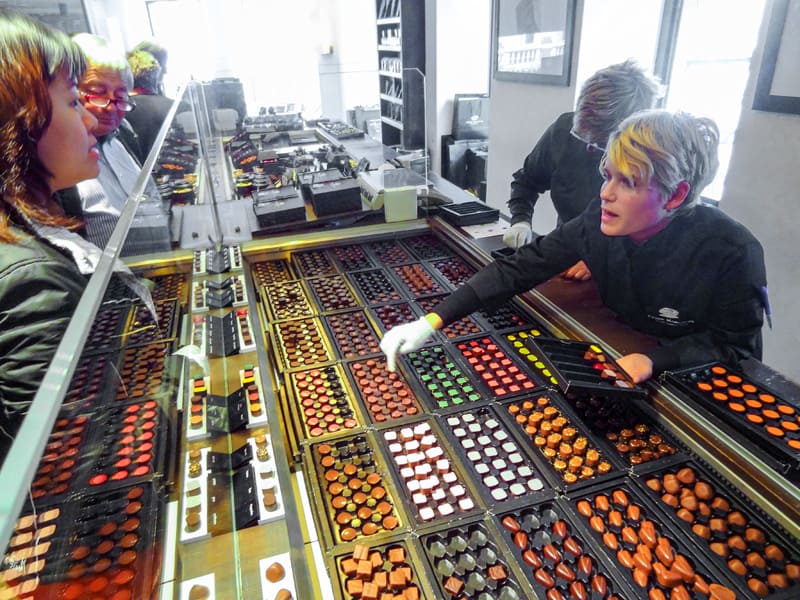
x,y
248,441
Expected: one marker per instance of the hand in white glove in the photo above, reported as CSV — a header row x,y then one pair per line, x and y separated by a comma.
x,y
518,235
405,338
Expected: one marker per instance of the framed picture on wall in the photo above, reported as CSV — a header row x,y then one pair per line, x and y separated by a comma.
x,y
532,40
67,15
778,86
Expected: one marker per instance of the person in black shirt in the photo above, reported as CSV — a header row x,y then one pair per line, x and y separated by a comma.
x,y
684,273
565,159
158,52
151,107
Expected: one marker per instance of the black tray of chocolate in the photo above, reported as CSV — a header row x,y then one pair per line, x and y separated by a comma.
x,y
467,562
366,570
636,436
469,213
555,434
760,556
756,411
355,501
583,367
432,485
501,470
559,561
120,559
658,560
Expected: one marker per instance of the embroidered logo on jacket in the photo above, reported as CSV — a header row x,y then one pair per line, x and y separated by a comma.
x,y
670,317
668,313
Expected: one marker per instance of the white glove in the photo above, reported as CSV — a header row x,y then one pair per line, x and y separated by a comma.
x,y
518,235
405,338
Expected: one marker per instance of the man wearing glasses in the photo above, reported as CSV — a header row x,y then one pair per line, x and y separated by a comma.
x,y
566,158
104,90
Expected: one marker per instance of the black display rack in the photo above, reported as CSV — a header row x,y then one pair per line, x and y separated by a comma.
x,y
401,71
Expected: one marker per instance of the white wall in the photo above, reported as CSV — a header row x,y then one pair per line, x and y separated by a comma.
x,y
279,49
761,191
462,30
123,23
352,67
519,113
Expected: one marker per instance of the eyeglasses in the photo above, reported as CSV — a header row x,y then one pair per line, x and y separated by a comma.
x,y
590,146
123,104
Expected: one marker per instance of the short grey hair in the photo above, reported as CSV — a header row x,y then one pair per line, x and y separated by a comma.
x,y
100,54
666,148
610,95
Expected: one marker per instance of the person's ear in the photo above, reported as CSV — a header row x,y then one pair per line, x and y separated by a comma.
x,y
678,196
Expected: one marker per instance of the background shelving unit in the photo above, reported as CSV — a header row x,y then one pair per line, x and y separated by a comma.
x,y
401,66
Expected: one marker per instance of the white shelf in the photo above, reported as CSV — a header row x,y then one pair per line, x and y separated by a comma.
x,y
392,122
392,99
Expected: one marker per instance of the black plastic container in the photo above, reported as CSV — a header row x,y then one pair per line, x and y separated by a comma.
x,y
469,213
504,473
555,555
443,383
751,408
498,370
634,435
387,399
758,554
389,565
355,502
466,561
353,334
432,484
644,545
375,287
583,367
559,439
426,246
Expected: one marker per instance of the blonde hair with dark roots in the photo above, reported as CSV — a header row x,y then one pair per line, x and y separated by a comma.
x,y
666,148
146,70
31,56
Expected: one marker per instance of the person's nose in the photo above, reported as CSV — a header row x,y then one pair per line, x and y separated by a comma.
x,y
607,191
89,120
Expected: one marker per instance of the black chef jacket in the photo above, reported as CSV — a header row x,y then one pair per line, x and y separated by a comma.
x,y
561,163
695,285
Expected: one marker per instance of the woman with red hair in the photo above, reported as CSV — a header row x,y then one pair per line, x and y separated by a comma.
x,y
45,146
